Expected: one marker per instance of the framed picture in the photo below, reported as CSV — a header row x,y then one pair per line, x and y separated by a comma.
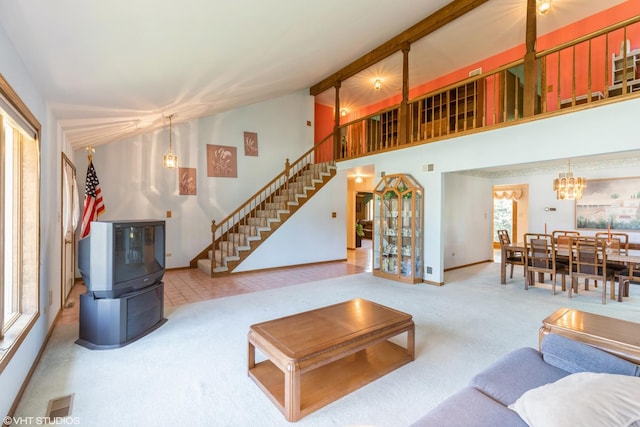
x,y
187,181
250,144
222,161
613,203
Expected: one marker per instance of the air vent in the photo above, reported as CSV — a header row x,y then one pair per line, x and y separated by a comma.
x,y
60,406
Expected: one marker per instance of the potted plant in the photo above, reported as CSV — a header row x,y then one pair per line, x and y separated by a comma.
x,y
359,234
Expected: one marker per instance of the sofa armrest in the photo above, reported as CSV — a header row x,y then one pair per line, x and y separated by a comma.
x,y
575,356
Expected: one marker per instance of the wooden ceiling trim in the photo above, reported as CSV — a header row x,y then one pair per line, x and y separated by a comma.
x,y
433,22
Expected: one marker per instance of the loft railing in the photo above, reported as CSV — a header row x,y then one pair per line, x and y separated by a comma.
x,y
244,215
588,70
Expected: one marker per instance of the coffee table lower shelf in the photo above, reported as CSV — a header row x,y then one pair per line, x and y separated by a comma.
x,y
325,384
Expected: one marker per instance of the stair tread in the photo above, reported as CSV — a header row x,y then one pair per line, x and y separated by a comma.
x,y
308,179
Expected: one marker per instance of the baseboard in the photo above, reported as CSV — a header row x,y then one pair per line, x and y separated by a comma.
x,y
23,387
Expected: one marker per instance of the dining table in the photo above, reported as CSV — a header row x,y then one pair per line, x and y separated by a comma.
x,y
631,258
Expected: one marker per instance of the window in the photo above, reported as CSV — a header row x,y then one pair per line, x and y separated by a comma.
x,y
19,221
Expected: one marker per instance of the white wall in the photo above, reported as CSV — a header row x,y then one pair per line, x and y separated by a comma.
x,y
136,186
589,132
311,235
12,377
472,207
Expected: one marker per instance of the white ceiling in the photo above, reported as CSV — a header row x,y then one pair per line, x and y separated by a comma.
x,y
110,70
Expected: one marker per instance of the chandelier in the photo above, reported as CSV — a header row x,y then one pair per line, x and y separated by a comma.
x,y
567,187
170,160
543,6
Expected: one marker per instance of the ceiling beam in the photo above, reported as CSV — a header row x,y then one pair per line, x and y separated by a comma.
x,y
433,22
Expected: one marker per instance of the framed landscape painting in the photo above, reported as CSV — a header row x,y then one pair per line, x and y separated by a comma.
x,y
613,203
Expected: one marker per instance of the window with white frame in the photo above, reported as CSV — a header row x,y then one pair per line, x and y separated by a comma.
x,y
19,221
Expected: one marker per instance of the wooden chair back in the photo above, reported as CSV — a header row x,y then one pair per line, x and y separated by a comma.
x,y
588,262
503,237
540,257
510,256
617,242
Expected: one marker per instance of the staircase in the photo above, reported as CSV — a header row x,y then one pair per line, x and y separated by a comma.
x,y
238,235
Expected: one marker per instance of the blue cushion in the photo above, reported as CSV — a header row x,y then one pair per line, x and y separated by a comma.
x,y
470,407
574,356
518,371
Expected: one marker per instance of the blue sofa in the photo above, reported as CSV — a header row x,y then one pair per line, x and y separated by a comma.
x,y
485,400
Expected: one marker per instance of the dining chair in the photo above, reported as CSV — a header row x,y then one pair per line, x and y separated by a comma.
x,y
510,256
588,262
617,243
562,239
540,257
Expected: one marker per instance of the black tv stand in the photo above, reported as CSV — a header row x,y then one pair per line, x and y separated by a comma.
x,y
107,323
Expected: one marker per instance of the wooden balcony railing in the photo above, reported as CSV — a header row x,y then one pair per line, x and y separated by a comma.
x,y
601,66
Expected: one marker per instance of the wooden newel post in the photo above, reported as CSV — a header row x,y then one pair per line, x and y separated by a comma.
x,y
287,167
403,131
337,141
213,245
530,64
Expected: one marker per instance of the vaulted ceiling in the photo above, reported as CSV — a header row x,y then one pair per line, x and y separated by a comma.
x,y
112,70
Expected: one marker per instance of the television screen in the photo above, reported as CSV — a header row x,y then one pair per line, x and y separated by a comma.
x,y
135,252
119,257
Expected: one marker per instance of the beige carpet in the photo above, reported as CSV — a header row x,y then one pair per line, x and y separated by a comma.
x,y
192,371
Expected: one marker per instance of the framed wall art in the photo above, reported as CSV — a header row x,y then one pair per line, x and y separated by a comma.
x,y
250,144
222,161
187,181
610,203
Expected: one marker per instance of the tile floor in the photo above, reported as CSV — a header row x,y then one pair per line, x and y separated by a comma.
x,y
187,285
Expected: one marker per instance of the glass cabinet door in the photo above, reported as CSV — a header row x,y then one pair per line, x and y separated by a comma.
x,y
390,233
397,244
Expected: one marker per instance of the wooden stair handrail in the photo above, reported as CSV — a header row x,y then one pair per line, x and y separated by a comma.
x,y
259,197
284,173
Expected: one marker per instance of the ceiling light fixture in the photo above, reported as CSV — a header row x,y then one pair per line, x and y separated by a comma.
x,y
170,160
567,187
377,84
358,179
544,6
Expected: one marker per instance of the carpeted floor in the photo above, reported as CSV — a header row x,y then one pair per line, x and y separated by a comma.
x,y
192,371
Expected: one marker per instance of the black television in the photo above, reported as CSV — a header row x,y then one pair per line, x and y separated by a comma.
x,y
119,257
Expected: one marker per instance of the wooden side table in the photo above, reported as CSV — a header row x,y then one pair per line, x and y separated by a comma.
x,y
616,336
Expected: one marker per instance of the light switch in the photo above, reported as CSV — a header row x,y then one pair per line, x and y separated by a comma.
x,y
168,214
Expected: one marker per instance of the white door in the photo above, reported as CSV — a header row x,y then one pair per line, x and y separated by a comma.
x,y
70,214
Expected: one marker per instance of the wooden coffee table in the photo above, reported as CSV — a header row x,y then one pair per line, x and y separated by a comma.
x,y
316,357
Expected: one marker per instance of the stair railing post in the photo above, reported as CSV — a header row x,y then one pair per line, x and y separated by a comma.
x,y
213,245
287,166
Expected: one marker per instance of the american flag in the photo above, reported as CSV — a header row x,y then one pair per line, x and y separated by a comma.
x,y
93,204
